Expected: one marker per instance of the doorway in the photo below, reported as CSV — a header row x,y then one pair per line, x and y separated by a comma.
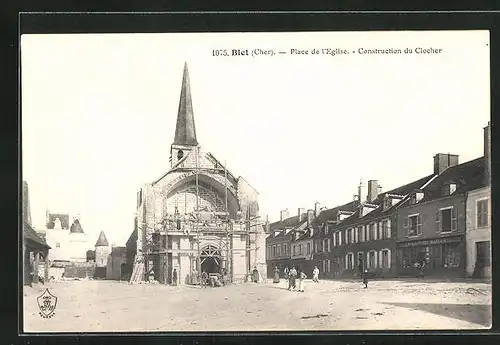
x,y
211,259
482,259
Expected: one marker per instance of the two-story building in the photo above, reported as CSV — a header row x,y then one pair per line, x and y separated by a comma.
x,y
478,220
366,240
323,225
432,221
278,252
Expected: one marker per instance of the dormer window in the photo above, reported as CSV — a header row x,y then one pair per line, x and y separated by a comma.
x,y
449,188
387,203
416,197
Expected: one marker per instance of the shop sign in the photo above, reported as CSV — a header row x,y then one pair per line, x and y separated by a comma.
x,y
431,242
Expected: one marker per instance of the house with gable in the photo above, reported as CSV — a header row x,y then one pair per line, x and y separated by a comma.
x,y
432,222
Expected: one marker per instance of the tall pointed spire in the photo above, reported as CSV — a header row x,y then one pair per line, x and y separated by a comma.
x,y
185,131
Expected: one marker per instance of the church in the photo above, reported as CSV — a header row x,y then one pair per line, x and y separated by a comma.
x,y
197,217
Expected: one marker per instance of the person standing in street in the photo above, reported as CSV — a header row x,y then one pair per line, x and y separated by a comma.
x,y
174,277
316,274
276,275
293,276
255,275
204,279
302,277
365,279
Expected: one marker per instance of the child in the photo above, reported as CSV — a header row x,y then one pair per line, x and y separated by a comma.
x,y
302,277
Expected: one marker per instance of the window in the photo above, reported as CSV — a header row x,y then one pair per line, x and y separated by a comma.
x,y
482,213
385,258
366,234
300,249
349,236
413,225
372,232
329,242
360,261
360,234
451,255
350,261
337,238
285,249
102,261
58,245
446,219
379,231
386,231
372,263
308,248
387,203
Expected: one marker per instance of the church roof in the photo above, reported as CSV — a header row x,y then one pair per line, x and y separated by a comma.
x,y
76,227
102,241
185,130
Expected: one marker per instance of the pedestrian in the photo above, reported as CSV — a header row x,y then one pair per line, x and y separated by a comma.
x,y
302,277
204,279
255,275
276,275
293,276
365,279
174,277
316,274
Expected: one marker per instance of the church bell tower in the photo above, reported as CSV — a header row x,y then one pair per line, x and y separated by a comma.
x,y
185,130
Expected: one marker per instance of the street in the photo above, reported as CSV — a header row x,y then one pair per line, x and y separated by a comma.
x,y
110,306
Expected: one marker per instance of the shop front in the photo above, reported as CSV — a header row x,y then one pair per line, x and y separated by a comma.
x,y
443,256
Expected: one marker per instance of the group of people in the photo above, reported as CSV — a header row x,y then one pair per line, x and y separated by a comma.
x,y
291,275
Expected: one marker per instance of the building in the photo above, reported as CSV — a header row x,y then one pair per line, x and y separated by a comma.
x,y
278,243
324,225
102,252
67,239
478,220
198,216
35,249
432,221
116,266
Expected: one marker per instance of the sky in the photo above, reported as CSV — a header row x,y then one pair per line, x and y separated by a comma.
x,y
99,114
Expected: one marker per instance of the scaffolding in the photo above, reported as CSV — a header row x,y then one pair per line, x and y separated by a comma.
x,y
142,269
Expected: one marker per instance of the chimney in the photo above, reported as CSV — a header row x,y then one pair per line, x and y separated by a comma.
x,y
300,213
310,217
487,153
372,190
317,207
443,161
361,192
283,215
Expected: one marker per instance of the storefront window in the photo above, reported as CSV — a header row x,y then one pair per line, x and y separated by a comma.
x,y
451,255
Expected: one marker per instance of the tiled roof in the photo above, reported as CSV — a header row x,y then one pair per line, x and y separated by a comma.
x,y
287,223
379,211
76,227
467,176
102,240
331,214
30,235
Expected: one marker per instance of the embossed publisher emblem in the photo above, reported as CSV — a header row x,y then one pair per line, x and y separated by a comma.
x,y
47,303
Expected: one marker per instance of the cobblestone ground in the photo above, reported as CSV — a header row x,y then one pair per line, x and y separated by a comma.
x,y
105,306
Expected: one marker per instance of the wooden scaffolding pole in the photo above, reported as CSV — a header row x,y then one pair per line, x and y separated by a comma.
x,y
228,267
198,259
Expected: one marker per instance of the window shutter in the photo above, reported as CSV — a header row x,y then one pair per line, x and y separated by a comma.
x,y
334,241
375,227
388,228
438,221
380,258
368,260
405,227
356,237
454,218
346,262
419,225
340,237
389,258
375,261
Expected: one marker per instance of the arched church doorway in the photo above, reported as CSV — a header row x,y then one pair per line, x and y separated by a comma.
x,y
211,259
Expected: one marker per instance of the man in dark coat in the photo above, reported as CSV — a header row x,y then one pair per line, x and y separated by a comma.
x,y
174,277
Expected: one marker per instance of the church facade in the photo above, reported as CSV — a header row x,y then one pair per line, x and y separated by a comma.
x,y
198,216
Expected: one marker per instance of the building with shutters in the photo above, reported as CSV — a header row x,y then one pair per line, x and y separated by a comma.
x,y
366,239
478,224
432,221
